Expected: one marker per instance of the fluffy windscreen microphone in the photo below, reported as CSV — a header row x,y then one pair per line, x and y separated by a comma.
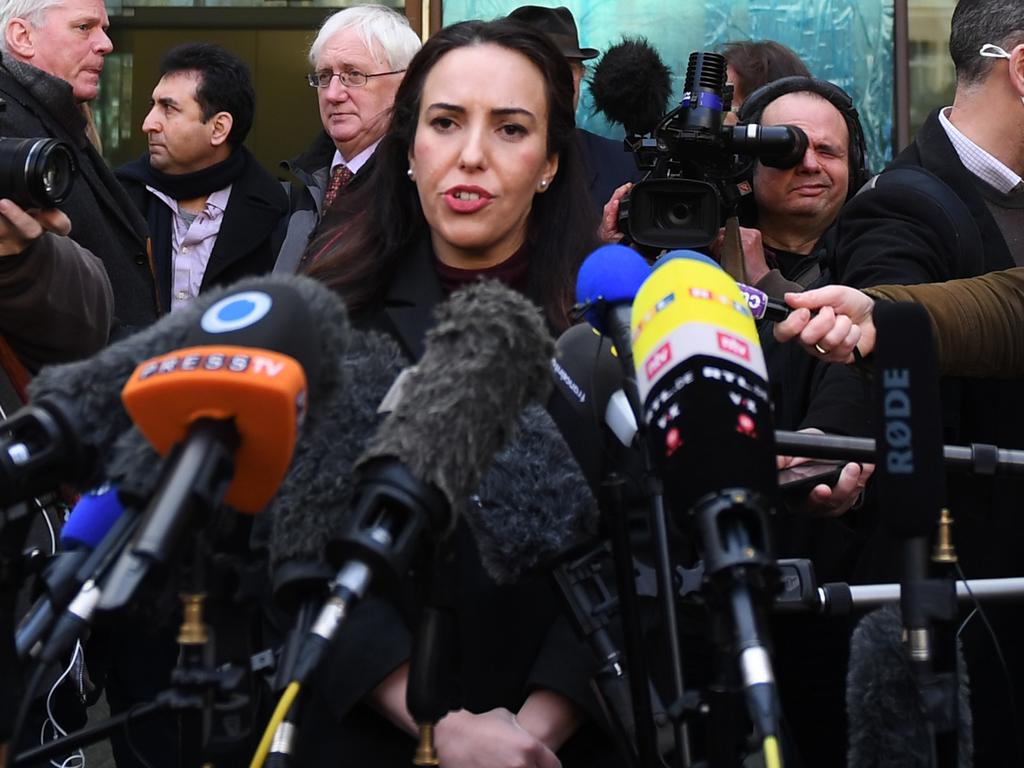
x,y
631,85
888,727
75,413
533,504
487,357
317,491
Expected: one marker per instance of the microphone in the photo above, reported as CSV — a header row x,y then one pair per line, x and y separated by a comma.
x,y
227,408
888,727
533,503
487,356
702,377
316,494
911,491
214,399
75,413
631,85
95,514
761,305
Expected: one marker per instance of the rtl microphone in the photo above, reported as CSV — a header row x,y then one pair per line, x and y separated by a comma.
x,y
702,377
761,305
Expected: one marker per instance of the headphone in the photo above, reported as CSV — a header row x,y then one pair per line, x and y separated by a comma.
x,y
753,108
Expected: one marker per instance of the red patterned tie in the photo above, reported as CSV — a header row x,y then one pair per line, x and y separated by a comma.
x,y
340,176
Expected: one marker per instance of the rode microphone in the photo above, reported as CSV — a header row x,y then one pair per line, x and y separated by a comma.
x,y
702,378
910,480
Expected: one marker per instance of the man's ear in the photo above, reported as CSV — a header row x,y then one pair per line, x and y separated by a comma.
x,y
1017,69
221,124
21,38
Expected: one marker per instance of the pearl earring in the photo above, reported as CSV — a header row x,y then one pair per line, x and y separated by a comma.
x,y
543,183
410,174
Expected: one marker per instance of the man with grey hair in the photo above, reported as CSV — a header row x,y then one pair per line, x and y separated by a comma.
x,y
50,63
357,60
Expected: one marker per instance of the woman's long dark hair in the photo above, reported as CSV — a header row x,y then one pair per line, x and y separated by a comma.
x,y
379,220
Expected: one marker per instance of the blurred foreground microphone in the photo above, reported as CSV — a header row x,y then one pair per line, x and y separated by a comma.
x,y
888,727
75,414
910,478
485,359
316,495
631,85
533,504
702,376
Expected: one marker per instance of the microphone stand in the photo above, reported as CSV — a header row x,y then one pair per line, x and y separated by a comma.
x,y
433,689
978,458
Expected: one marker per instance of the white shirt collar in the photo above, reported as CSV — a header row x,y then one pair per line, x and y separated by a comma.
x,y
981,163
356,162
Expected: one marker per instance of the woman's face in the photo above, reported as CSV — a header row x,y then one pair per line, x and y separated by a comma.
x,y
480,153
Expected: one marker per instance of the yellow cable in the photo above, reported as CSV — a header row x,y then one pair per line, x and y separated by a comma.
x,y
772,756
285,703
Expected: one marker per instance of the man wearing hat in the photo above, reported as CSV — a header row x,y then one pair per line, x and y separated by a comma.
x,y
606,163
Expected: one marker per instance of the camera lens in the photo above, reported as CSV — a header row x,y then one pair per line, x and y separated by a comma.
x,y
36,173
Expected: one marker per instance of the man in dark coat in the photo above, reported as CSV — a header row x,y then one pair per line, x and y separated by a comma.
x,y
212,209
606,163
49,68
963,219
371,41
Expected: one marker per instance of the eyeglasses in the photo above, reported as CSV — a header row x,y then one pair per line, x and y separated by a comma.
x,y
990,51
352,78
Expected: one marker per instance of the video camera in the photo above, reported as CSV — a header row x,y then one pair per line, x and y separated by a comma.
x,y
35,173
698,168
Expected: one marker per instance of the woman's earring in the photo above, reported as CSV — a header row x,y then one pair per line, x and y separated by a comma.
x,y
411,175
543,184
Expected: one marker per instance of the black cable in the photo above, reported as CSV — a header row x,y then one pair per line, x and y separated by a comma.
x,y
1011,697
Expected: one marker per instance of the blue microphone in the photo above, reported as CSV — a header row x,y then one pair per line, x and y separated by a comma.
x,y
96,527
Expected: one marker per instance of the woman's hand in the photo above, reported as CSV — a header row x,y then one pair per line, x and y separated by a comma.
x,y
843,322
489,740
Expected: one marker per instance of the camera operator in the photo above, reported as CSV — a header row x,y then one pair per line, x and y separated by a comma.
x,y
51,56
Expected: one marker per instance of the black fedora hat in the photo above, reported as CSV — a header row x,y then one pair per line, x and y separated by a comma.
x,y
559,25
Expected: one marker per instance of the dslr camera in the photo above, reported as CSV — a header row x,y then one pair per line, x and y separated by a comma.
x,y
35,173
697,168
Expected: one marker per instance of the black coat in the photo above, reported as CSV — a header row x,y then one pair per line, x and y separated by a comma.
x,y
606,166
511,639
896,233
245,244
102,217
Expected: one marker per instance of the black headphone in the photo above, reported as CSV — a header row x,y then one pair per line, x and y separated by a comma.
x,y
753,108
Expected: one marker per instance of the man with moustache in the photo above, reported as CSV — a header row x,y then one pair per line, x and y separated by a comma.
x,y
212,210
51,56
357,59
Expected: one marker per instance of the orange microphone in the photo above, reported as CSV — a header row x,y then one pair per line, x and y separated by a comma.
x,y
226,410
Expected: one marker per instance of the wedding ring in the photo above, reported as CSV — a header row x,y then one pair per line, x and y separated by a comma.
x,y
821,349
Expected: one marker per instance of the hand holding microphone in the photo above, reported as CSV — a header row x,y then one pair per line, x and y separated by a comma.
x,y
830,323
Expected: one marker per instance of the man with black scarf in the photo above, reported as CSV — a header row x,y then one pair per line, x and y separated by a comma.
x,y
211,208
